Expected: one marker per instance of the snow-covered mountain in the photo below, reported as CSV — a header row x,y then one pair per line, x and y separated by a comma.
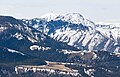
x,y
17,38
21,44
77,31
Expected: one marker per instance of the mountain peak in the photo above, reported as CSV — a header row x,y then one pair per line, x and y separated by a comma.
x,y
49,16
75,18
78,15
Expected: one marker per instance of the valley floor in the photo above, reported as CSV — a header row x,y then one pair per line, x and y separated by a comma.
x,y
51,67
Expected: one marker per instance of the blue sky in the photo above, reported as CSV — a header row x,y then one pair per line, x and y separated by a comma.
x,y
96,10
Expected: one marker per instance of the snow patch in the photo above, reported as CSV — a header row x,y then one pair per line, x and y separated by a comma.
x,y
14,51
18,36
36,47
32,39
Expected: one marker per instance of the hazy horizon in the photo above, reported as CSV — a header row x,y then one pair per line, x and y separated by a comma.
x,y
95,10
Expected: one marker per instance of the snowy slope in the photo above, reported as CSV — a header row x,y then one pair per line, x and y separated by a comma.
x,y
77,31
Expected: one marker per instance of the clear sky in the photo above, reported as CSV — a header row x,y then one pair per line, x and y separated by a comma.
x,y
96,10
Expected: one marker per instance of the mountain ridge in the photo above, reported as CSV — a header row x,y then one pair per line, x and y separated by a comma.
x,y
89,49
67,27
